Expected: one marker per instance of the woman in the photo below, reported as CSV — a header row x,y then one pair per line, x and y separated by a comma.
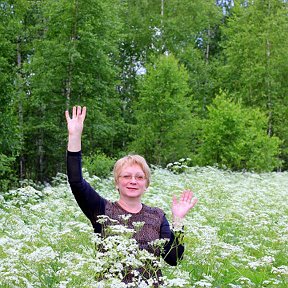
x,y
132,177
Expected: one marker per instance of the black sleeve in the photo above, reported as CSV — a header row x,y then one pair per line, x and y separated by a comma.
x,y
174,249
90,202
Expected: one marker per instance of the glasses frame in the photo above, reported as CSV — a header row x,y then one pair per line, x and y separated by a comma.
x,y
138,178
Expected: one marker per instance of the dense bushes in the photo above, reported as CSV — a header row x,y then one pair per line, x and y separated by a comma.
x,y
7,173
235,137
98,164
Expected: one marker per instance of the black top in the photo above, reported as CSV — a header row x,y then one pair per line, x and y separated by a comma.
x,y
93,204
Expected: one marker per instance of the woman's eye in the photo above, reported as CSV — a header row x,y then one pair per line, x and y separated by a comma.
x,y
136,177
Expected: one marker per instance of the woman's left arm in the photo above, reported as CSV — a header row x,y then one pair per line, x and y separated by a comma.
x,y
173,249
181,206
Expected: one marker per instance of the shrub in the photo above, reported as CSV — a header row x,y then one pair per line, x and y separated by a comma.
x,y
235,137
7,175
98,164
179,166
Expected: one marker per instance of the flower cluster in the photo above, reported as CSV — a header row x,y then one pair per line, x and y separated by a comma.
x,y
120,258
179,166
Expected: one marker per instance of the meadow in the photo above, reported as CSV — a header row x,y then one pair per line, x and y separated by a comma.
x,y
236,236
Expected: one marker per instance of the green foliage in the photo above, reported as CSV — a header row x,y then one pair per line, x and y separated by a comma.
x,y
24,195
200,81
98,164
254,67
9,146
163,112
235,137
56,54
184,25
7,173
72,62
10,140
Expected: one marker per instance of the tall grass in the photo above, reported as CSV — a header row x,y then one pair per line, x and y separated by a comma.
x,y
236,236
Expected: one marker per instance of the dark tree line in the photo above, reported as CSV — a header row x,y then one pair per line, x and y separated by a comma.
x,y
168,79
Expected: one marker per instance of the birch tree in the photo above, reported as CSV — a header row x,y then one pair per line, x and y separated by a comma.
x,y
256,65
163,113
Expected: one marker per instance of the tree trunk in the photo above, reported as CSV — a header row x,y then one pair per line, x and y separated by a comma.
x,y
20,108
269,98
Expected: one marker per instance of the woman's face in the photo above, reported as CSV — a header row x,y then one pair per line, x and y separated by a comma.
x,y
131,182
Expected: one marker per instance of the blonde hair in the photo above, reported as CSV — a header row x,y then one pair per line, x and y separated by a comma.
x,y
132,160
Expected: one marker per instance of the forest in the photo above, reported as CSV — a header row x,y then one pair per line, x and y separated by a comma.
x,y
204,81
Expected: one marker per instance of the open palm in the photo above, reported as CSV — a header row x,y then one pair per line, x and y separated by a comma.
x,y
75,123
181,206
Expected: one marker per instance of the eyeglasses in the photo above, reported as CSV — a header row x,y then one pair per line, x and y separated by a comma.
x,y
130,177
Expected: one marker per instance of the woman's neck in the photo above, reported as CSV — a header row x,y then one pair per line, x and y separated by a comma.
x,y
131,206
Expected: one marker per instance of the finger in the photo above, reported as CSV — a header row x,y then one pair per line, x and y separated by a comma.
x,y
174,200
74,112
187,195
193,202
79,111
67,116
83,113
182,197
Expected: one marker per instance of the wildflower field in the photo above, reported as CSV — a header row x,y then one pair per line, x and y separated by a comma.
x,y
236,236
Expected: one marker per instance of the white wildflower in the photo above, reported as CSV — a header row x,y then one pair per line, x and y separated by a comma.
x,y
126,217
281,270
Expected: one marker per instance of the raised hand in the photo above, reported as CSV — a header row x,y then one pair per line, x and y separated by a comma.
x,y
75,126
181,206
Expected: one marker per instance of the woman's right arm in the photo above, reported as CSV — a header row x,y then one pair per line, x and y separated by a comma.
x,y
91,203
